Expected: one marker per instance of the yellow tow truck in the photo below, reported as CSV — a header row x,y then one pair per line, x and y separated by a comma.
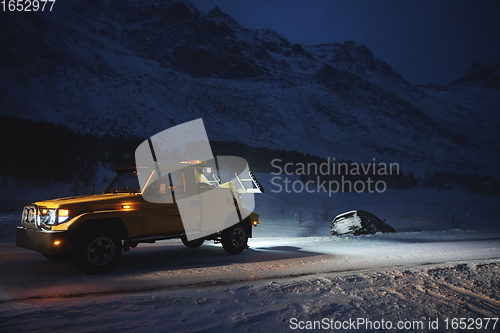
x,y
93,230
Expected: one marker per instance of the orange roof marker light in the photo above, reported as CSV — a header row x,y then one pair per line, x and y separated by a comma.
x,y
193,162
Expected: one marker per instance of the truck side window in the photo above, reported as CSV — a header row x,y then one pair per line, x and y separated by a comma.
x,y
178,182
159,187
163,188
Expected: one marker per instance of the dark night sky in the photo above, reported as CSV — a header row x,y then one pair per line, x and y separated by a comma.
x,y
425,40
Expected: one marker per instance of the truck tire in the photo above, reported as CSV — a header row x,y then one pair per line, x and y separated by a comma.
x,y
235,239
98,253
192,244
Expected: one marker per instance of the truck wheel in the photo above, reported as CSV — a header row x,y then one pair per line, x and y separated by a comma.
x,y
57,257
234,240
98,253
192,244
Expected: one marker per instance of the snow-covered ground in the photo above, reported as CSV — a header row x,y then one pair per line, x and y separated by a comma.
x,y
414,297
442,264
416,209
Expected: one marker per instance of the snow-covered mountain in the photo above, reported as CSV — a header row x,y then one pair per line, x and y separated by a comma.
x,y
140,67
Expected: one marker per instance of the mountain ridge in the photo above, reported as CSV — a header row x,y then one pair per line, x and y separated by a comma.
x,y
141,67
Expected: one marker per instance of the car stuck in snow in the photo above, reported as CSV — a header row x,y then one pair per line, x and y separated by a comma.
x,y
358,222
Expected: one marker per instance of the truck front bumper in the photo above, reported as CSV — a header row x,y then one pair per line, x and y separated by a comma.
x,y
48,243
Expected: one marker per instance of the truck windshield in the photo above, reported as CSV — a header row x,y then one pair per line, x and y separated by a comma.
x,y
124,182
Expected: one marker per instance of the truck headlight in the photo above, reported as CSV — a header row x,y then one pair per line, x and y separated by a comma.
x,y
29,214
46,216
51,216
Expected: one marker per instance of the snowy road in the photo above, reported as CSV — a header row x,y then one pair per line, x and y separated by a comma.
x,y
27,275
443,263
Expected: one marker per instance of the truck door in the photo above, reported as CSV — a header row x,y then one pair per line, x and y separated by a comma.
x,y
161,218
